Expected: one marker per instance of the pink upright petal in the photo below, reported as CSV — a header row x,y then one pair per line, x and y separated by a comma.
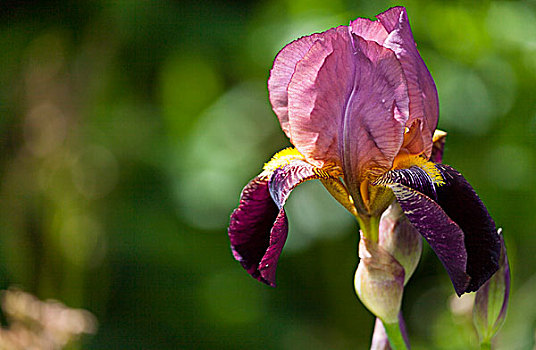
x,y
424,103
348,104
281,73
376,112
317,93
394,32
369,30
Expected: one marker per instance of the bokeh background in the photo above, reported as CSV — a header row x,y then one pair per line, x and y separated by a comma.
x,y
128,129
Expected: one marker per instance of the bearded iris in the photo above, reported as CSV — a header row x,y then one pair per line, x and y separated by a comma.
x,y
361,109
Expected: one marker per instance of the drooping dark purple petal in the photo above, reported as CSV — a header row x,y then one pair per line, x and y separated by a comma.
x,y
461,203
414,177
456,223
443,235
285,179
252,226
278,236
259,226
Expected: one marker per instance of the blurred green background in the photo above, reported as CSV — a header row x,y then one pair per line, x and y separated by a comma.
x,y
128,129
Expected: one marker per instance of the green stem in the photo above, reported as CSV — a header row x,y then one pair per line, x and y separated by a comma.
x,y
396,340
485,345
370,226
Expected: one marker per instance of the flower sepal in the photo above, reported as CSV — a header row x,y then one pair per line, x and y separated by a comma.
x,y
259,226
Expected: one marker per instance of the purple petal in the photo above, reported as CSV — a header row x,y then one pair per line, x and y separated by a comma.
x,y
348,104
252,226
278,236
314,130
285,179
414,177
443,235
281,73
462,204
259,226
457,225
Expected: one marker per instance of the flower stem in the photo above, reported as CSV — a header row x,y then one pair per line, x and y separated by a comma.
x,y
396,339
370,226
485,345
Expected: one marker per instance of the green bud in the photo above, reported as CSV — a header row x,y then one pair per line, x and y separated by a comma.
x,y
491,300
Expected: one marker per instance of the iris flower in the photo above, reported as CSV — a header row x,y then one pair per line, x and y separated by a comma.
x,y
361,109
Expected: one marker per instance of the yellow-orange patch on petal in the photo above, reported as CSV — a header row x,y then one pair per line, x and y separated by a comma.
x,y
328,175
405,161
280,159
290,154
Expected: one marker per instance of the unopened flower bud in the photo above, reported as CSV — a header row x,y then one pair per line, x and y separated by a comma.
x,y
398,237
379,281
491,300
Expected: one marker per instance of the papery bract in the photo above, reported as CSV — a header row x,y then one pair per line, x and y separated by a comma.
x,y
400,239
379,281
